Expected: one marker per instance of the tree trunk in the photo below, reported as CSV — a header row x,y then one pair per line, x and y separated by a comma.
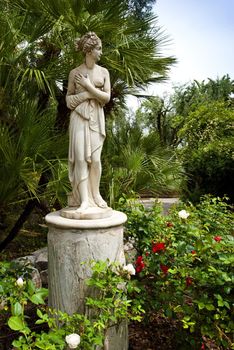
x,y
44,179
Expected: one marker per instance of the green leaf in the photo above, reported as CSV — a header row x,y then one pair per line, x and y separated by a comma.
x,y
210,307
39,313
98,341
218,296
227,289
31,287
16,343
226,304
16,323
220,303
37,299
39,322
17,309
201,306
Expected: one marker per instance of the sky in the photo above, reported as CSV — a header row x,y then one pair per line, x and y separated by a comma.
x,y
202,39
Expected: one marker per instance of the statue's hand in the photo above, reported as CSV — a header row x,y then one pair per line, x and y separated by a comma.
x,y
82,80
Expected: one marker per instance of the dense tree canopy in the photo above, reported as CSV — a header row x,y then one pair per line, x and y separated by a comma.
x,y
141,7
207,151
188,97
198,122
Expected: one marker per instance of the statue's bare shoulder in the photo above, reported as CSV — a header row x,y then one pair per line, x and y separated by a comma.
x,y
75,70
104,71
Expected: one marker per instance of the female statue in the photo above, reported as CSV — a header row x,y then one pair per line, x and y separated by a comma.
x,y
88,91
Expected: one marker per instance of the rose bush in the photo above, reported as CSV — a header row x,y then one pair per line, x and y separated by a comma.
x,y
111,306
184,266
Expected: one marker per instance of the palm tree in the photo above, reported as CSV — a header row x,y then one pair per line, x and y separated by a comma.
x,y
136,161
131,47
36,43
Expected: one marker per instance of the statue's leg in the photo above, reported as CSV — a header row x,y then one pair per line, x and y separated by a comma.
x,y
84,198
95,176
82,170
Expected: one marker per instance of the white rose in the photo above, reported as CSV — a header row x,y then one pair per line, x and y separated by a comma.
x,y
183,214
130,269
73,340
20,282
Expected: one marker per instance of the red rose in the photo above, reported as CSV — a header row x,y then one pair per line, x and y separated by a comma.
x,y
217,238
147,253
189,281
139,259
156,247
139,264
139,268
164,269
193,252
170,224
203,346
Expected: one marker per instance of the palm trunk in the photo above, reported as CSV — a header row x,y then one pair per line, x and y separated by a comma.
x,y
44,179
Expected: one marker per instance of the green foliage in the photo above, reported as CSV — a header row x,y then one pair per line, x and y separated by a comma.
x,y
154,115
185,265
16,291
136,161
131,44
208,148
199,124
141,8
108,306
28,149
36,54
188,97
112,304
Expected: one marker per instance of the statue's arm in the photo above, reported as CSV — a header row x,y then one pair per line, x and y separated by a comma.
x,y
72,99
103,96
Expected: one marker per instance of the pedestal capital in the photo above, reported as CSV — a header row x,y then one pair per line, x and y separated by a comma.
x,y
56,220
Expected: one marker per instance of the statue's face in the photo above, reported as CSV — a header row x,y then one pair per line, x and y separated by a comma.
x,y
97,52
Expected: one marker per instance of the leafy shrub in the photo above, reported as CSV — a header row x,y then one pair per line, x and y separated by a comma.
x,y
207,152
184,265
110,307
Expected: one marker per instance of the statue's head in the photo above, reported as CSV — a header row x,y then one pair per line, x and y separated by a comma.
x,y
87,42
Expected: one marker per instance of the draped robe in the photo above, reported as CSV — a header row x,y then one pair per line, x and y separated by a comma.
x,y
86,135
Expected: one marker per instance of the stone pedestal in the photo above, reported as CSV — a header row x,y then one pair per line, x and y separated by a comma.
x,y
72,243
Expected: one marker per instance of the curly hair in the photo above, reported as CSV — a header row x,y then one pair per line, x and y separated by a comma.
x,y
87,42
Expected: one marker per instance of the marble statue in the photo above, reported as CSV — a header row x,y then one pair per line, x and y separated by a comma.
x,y
88,92
96,231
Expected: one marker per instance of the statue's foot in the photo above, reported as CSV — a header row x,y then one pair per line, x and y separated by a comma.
x,y
84,205
100,201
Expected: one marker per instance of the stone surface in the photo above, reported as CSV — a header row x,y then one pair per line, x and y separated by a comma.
x,y
166,203
41,259
88,91
72,244
91,213
56,220
44,277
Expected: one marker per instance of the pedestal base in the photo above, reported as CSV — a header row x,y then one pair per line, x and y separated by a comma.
x,y
70,244
91,213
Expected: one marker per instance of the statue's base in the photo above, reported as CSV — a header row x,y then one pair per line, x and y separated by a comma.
x,y
72,244
91,213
